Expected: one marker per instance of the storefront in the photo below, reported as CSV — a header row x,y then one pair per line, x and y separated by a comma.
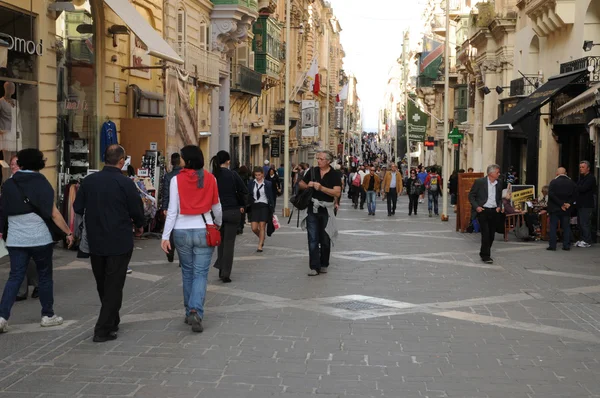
x,y
18,82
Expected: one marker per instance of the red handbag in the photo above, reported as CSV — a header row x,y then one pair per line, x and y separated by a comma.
x,y
213,235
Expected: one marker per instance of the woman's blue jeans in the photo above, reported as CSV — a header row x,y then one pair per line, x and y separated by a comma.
x,y
194,257
19,260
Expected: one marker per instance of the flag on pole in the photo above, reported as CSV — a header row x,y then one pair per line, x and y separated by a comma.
x,y
313,77
431,58
343,95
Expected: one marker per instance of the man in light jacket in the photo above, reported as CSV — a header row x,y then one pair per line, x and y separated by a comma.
x,y
392,185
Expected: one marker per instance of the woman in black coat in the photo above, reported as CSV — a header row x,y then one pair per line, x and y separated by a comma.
x,y
275,184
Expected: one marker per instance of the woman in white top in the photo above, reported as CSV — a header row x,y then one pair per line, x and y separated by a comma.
x,y
194,202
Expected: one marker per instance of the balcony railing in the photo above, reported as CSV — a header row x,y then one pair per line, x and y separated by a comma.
x,y
245,80
252,4
584,63
523,86
201,63
279,117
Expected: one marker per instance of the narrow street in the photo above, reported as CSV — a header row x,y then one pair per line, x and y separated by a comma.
x,y
406,310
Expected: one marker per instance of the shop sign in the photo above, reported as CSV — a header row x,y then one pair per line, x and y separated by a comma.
x,y
339,117
20,45
275,147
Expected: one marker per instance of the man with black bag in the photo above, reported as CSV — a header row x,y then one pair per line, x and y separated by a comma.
x,y
319,219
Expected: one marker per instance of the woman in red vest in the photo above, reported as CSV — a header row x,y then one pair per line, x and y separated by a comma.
x,y
194,202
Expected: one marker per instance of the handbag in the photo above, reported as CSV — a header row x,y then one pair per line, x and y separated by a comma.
x,y
213,235
303,199
56,233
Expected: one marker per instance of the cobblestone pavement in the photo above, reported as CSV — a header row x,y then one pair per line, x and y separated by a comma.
x,y
406,310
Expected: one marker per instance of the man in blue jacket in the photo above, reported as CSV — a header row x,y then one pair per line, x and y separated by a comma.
x,y
586,188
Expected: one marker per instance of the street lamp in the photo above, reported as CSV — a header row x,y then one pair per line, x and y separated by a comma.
x,y
286,96
588,44
446,165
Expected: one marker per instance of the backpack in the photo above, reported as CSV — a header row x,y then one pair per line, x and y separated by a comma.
x,y
356,180
433,184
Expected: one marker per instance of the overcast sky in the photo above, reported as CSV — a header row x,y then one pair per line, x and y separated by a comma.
x,y
372,39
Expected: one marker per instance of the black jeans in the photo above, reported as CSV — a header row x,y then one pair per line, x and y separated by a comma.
x,y
413,202
565,223
231,221
110,273
363,197
487,222
355,194
319,244
392,199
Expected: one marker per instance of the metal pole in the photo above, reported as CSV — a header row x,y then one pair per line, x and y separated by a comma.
x,y
326,136
286,96
446,165
405,72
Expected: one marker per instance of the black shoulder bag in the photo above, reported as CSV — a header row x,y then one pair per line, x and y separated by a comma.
x,y
303,199
55,231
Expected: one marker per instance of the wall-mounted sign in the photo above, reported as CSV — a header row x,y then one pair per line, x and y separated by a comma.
x,y
275,147
339,117
139,58
154,146
20,45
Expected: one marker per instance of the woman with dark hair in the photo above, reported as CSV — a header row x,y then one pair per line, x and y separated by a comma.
x,y
262,207
232,193
413,190
275,184
27,204
194,203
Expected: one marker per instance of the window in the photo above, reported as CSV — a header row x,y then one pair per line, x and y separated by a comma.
x,y
460,97
204,38
242,55
181,35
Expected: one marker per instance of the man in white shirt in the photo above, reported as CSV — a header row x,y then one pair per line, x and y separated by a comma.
x,y
363,193
486,200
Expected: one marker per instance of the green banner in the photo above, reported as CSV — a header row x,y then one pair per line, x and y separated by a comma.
x,y
417,123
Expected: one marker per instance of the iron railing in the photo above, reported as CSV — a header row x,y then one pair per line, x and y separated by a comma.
x,y
584,63
246,81
201,63
279,117
524,86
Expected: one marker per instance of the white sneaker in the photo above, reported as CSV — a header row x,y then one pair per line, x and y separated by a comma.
x,y
577,243
584,244
3,325
51,321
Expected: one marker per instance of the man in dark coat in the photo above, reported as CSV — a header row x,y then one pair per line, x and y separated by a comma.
x,y
586,189
561,195
486,200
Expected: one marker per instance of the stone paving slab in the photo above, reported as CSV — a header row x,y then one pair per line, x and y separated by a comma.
x,y
407,310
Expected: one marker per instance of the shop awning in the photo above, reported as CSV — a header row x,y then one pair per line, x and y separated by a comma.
x,y
157,46
584,100
536,100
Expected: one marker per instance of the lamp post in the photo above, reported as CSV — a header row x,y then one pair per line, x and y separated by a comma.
x,y
446,163
286,96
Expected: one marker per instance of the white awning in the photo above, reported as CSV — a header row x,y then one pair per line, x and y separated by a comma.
x,y
584,100
157,46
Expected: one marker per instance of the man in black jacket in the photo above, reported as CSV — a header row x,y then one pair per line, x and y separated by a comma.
x,y
561,195
586,188
110,201
486,200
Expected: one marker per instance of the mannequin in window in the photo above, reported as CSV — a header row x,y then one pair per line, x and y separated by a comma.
x,y
77,94
9,122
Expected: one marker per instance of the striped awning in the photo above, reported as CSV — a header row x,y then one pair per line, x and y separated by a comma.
x,y
587,99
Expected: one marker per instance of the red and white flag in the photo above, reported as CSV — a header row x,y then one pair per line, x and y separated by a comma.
x,y
314,80
343,95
